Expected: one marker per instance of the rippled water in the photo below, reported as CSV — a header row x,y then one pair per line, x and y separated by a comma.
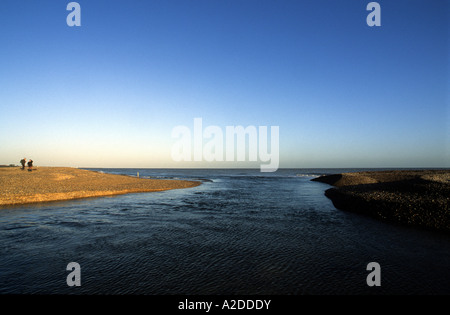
x,y
240,232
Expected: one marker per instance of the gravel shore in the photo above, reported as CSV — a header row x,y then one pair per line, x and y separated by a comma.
x,y
63,183
415,198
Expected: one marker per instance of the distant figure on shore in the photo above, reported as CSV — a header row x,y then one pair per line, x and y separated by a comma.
x,y
30,165
23,161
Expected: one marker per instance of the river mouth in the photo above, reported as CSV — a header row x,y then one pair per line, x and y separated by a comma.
x,y
237,233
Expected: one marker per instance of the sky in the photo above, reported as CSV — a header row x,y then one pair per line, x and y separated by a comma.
x,y
109,93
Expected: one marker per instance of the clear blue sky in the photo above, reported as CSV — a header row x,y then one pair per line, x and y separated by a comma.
x,y
109,93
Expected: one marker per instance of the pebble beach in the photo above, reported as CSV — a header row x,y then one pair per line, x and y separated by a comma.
x,y
418,198
45,184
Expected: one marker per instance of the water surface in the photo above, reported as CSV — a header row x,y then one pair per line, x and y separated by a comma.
x,y
240,232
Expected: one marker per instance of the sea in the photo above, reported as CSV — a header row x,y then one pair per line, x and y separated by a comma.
x,y
241,232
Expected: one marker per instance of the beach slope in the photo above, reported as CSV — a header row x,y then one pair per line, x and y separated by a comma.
x,y
410,197
63,183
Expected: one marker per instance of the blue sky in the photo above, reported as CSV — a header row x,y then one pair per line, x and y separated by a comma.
x,y
109,93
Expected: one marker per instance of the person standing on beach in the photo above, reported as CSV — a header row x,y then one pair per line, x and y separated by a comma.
x,y
23,161
30,165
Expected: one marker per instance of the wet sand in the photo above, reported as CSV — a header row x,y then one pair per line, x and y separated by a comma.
x,y
45,184
415,198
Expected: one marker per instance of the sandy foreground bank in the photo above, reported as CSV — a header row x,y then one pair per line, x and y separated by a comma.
x,y
63,183
416,198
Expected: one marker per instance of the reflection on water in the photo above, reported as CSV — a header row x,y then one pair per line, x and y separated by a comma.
x,y
240,232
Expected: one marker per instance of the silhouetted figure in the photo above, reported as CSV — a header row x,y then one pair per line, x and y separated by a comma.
x,y
23,161
30,165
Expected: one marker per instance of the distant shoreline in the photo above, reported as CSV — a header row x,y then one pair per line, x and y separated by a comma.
x,y
419,198
45,184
